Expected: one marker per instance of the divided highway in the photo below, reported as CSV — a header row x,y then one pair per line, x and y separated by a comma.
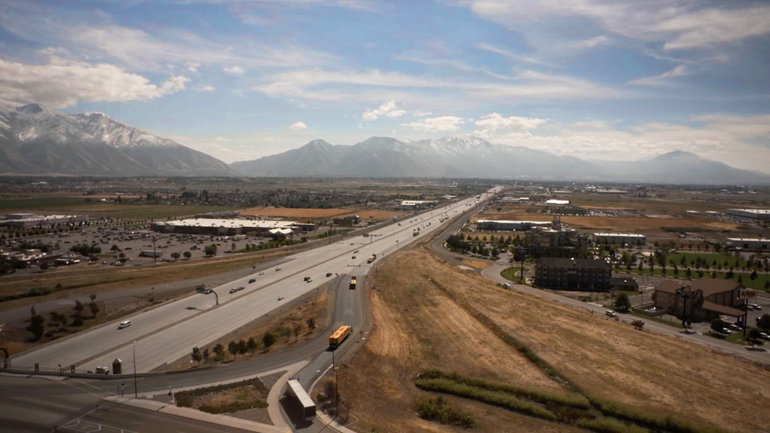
x,y
170,331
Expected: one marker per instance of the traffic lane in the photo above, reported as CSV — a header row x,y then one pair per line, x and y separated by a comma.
x,y
101,347
118,418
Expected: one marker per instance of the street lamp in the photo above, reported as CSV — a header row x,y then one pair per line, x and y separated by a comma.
x,y
136,393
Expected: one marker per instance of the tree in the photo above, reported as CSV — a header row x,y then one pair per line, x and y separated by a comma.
x,y
622,303
242,347
175,255
36,326
232,347
268,340
196,354
94,308
251,344
310,323
187,254
219,351
210,250
764,321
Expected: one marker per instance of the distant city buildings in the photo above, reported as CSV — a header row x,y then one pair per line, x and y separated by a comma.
x,y
510,225
26,220
749,244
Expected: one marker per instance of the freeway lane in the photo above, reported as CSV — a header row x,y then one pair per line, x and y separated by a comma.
x,y
170,331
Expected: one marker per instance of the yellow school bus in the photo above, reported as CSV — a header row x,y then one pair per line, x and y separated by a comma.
x,y
339,336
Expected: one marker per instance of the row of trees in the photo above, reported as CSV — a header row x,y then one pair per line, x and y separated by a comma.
x,y
60,321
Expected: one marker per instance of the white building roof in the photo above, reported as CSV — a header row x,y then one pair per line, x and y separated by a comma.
x,y
515,222
555,201
230,223
620,235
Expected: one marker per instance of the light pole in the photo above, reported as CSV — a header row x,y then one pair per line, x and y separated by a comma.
x,y
136,393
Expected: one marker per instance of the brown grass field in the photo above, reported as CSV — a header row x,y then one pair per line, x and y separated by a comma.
x,y
314,213
419,324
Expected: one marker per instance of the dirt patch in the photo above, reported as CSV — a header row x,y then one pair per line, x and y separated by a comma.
x,y
417,326
477,264
314,213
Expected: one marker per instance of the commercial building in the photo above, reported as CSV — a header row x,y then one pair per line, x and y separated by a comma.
x,y
749,244
620,238
706,298
228,227
757,214
510,225
573,274
556,202
417,204
25,220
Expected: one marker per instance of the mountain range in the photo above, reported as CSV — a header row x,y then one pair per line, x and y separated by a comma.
x,y
35,140
473,157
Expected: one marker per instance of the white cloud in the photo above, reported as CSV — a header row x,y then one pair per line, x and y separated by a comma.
x,y
62,85
437,124
94,37
233,70
680,25
493,122
388,108
590,43
375,86
510,55
298,126
222,139
662,79
206,88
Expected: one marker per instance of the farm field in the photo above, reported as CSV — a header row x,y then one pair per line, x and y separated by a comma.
x,y
432,315
67,204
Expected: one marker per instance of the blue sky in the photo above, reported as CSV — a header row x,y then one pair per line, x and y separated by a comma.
x,y
240,79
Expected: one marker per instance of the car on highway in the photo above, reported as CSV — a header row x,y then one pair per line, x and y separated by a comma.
x,y
610,313
280,298
328,274
278,269
124,324
252,280
261,273
236,289
354,257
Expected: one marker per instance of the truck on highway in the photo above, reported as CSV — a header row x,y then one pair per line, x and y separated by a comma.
x,y
339,336
372,258
352,285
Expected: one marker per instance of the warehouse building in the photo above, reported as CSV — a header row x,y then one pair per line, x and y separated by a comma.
x,y
757,214
228,227
620,238
749,244
510,225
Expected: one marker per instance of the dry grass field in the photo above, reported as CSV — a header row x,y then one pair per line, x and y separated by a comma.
x,y
314,213
426,316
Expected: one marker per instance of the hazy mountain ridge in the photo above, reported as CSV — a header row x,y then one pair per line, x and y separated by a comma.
x,y
36,140
469,156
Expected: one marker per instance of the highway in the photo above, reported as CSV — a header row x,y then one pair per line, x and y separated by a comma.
x,y
170,331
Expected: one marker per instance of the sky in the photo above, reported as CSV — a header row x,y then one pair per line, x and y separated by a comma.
x,y
241,79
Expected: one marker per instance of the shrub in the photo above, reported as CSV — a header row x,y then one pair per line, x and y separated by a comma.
x,y
437,409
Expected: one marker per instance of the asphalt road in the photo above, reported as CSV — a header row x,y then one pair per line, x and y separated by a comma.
x,y
74,406
170,331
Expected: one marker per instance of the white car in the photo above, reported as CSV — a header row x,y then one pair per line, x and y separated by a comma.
x,y
124,324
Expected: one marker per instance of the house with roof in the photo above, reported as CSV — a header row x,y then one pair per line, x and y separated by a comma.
x,y
702,299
